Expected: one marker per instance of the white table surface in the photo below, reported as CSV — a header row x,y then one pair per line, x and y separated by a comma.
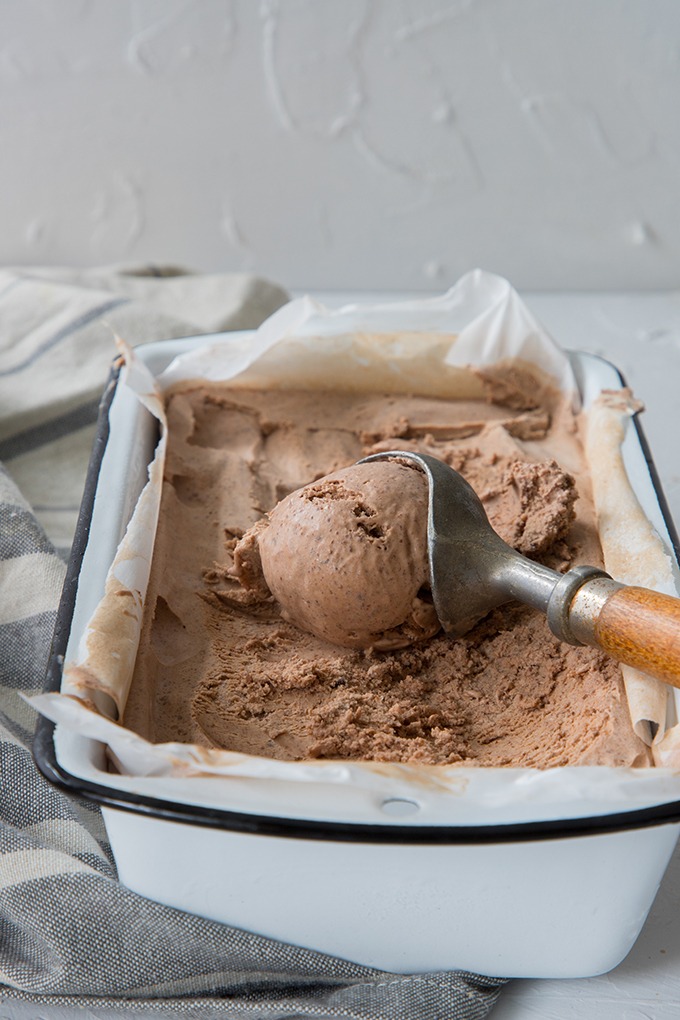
x,y
640,334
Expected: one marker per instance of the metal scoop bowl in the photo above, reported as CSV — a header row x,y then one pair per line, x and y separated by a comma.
x,y
472,570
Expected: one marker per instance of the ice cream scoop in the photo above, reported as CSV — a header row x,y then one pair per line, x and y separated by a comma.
x,y
472,570
346,557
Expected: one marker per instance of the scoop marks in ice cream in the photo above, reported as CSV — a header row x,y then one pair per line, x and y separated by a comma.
x,y
346,557
220,664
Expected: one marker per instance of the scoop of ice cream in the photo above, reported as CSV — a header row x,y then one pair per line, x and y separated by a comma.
x,y
346,557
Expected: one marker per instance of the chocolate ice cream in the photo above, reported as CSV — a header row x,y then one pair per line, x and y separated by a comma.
x,y
346,557
220,665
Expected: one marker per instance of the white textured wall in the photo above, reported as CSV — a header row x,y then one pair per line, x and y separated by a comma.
x,y
390,144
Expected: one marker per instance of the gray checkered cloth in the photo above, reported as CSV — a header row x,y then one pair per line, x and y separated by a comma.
x,y
70,934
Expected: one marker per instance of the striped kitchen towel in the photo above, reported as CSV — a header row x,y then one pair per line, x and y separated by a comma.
x,y
70,935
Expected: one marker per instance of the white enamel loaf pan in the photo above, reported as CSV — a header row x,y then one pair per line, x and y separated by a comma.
x,y
404,885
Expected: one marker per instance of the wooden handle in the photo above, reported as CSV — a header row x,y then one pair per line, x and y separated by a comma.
x,y
641,628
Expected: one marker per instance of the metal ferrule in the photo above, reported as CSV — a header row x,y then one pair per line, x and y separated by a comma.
x,y
564,622
586,606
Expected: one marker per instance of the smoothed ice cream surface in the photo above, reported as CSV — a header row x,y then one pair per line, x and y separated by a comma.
x,y
253,478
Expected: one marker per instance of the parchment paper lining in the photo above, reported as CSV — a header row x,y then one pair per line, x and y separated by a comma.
x,y
424,347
